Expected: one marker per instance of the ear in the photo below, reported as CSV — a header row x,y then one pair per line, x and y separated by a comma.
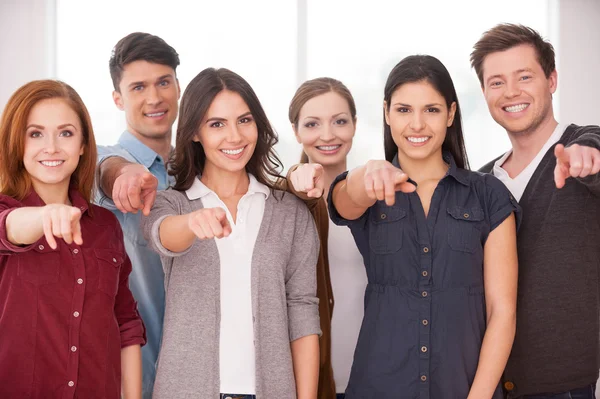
x,y
354,126
118,100
451,113
553,81
178,89
295,129
386,112
196,137
82,150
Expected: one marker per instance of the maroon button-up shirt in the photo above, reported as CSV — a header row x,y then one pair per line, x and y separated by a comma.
x,y
65,314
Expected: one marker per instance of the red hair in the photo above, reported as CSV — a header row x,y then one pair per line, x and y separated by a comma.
x,y
14,179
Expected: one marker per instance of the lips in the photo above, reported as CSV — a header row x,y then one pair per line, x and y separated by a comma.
x,y
156,114
52,164
516,108
233,153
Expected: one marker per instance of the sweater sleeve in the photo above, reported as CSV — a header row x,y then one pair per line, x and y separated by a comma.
x,y
301,278
588,136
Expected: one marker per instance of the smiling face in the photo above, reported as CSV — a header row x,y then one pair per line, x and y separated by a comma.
x,y
53,144
325,129
148,93
517,91
418,118
228,134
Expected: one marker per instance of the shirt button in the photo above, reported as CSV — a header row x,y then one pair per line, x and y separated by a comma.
x,y
424,273
423,378
75,314
383,216
114,260
509,386
425,322
423,349
41,247
425,249
75,251
466,215
73,349
424,293
71,383
79,281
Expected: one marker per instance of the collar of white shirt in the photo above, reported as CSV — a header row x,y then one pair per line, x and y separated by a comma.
x,y
199,189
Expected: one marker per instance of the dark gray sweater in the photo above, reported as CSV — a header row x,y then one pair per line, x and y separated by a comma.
x,y
557,347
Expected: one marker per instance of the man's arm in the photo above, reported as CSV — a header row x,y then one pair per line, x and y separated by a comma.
x,y
131,186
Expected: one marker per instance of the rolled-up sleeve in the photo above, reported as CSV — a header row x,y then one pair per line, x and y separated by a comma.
x,y
7,205
165,205
500,202
301,278
131,326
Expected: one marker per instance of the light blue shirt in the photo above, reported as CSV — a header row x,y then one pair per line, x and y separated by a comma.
x,y
147,278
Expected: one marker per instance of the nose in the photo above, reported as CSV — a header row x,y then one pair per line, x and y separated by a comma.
x,y
512,89
233,134
50,145
417,123
153,96
327,133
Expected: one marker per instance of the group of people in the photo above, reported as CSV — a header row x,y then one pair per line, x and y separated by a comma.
x,y
199,271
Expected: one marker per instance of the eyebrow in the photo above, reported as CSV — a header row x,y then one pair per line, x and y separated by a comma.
x,y
219,119
514,73
332,117
142,82
426,105
59,127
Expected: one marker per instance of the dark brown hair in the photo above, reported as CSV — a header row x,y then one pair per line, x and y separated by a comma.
x,y
140,46
313,88
189,157
14,179
506,36
418,68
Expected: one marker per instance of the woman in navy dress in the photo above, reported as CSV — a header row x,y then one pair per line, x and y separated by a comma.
x,y
439,245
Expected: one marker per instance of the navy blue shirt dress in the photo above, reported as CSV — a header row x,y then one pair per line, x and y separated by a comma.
x,y
425,314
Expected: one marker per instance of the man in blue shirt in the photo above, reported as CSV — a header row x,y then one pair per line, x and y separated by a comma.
x,y
143,71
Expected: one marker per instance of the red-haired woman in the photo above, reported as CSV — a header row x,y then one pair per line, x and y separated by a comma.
x,y
69,327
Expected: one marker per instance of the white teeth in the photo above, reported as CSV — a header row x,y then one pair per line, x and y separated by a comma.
x,y
329,147
417,139
233,152
156,114
516,108
52,163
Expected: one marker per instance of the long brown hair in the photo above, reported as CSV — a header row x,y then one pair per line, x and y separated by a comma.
x,y
313,88
14,179
189,157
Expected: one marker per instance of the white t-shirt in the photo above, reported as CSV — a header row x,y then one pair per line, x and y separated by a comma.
x,y
518,184
236,343
348,281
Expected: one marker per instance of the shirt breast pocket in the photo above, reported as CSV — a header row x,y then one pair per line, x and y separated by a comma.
x,y
464,233
40,265
109,266
386,229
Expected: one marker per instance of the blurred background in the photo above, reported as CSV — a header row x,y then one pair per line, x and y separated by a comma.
x,y
276,45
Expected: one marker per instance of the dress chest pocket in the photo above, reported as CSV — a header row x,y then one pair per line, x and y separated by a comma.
x,y
40,265
464,229
109,267
386,229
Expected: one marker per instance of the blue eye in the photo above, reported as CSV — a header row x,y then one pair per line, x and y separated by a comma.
x,y
35,134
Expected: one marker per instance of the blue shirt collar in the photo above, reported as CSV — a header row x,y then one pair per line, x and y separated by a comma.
x,y
460,175
140,151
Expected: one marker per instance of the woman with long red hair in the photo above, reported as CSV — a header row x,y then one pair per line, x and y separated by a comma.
x,y
69,326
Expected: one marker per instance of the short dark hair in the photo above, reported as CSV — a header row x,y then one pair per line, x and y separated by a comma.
x,y
189,158
139,46
506,36
425,68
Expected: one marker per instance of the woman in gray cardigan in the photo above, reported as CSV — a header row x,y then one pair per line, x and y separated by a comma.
x,y
239,256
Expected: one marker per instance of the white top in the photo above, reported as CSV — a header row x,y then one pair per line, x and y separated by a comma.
x,y
348,281
518,184
236,343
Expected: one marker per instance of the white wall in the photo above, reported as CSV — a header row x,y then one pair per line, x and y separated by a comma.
x,y
26,43
579,61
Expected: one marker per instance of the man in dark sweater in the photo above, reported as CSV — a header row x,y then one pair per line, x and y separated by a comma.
x,y
552,170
